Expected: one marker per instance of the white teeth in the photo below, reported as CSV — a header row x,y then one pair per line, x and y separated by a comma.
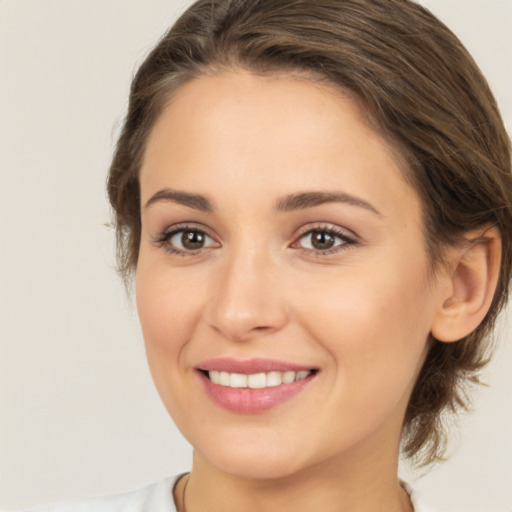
x,y
215,377
238,380
274,379
288,377
256,380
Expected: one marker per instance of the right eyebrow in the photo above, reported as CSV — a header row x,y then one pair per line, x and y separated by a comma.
x,y
195,201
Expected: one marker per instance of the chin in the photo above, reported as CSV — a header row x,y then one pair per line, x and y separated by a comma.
x,y
256,468
253,460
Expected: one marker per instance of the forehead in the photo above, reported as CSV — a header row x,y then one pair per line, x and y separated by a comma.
x,y
268,133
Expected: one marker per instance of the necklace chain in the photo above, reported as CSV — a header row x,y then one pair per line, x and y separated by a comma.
x,y
183,493
187,477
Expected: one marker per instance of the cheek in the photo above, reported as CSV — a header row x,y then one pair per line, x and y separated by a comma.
x,y
168,314
165,305
376,340
374,325
381,304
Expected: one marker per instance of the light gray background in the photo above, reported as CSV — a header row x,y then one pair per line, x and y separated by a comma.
x,y
78,413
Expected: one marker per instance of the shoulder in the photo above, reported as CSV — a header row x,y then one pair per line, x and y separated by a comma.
x,y
416,499
155,497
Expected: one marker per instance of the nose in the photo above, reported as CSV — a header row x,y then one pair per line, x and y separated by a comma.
x,y
246,298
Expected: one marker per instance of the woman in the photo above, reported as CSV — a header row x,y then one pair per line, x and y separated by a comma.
x,y
315,200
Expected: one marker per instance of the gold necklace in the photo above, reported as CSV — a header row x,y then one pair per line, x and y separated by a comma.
x,y
183,493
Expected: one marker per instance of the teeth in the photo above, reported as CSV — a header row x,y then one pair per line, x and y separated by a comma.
x,y
238,380
302,375
288,377
274,379
256,380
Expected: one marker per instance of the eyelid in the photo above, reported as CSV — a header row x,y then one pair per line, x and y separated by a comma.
x,y
349,238
163,238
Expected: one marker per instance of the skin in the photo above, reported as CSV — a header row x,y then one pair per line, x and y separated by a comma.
x,y
361,314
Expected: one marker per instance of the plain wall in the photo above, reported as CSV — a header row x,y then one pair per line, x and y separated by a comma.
x,y
78,412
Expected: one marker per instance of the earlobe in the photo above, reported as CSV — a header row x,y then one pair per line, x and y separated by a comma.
x,y
471,286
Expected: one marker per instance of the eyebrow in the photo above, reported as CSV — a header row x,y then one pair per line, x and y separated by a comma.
x,y
310,199
299,201
195,201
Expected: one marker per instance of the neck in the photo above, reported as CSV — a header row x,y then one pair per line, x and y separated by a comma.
x,y
332,486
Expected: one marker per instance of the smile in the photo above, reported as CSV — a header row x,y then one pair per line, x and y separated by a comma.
x,y
253,386
256,380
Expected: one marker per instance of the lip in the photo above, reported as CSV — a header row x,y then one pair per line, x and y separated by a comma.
x,y
248,400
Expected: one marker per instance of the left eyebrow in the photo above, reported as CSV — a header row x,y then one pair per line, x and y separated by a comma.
x,y
305,200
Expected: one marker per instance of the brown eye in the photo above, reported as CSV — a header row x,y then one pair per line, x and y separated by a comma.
x,y
188,240
322,240
192,240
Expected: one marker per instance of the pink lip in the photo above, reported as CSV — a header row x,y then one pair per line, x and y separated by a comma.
x,y
247,400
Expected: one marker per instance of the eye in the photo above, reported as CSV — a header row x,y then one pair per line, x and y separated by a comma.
x,y
323,240
184,241
189,240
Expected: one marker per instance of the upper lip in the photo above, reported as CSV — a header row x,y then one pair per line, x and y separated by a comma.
x,y
250,366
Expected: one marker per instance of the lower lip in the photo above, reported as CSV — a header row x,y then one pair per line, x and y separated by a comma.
x,y
252,401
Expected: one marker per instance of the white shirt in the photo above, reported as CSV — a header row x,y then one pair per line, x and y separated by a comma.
x,y
151,498
156,498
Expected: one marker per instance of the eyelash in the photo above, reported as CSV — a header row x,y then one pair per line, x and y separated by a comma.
x,y
163,240
347,241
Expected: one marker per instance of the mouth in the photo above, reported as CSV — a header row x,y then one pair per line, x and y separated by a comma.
x,y
259,380
253,386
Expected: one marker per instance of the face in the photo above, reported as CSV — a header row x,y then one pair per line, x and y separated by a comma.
x,y
282,285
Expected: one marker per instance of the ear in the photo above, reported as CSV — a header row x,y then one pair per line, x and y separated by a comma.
x,y
471,283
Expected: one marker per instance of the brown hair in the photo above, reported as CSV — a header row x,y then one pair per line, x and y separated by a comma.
x,y
424,92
